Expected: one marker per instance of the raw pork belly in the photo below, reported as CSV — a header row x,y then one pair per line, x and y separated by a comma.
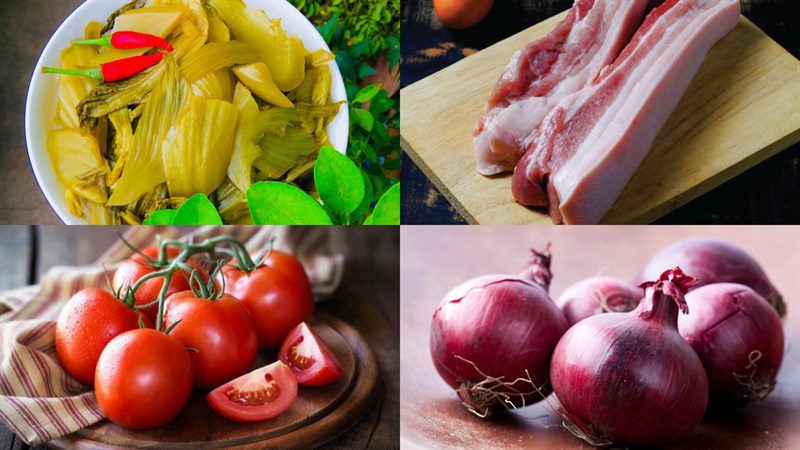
x,y
589,146
545,71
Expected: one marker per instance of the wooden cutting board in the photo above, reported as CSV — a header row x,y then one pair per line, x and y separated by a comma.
x,y
317,415
742,108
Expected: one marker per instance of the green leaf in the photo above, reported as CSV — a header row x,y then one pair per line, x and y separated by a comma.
x,y
366,94
198,210
359,148
363,118
393,54
380,135
335,218
387,211
276,203
381,103
338,181
392,164
347,64
370,153
351,89
160,217
364,70
358,49
326,31
365,203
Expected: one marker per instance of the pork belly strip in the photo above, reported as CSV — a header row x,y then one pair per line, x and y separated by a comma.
x,y
590,145
545,71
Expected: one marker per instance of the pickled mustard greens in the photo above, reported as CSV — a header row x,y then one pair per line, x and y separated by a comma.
x,y
198,149
237,102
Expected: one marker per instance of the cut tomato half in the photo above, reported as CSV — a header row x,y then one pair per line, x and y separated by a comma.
x,y
259,395
312,362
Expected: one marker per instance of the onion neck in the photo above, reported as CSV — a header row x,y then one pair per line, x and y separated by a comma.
x,y
658,307
664,297
538,268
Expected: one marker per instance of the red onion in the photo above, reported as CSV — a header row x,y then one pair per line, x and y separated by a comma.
x,y
492,338
597,295
738,337
630,377
715,261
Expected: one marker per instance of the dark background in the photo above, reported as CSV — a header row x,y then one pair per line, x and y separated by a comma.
x,y
765,194
368,299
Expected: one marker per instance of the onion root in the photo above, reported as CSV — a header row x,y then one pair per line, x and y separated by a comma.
x,y
480,397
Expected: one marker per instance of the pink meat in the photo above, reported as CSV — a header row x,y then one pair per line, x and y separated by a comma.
x,y
545,71
590,145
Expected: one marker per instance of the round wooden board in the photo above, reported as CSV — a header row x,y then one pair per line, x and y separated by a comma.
x,y
317,416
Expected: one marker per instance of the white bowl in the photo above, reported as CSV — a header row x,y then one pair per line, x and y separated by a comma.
x,y
40,108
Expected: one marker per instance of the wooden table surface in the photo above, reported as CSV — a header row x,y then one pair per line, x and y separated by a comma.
x,y
434,259
368,299
765,194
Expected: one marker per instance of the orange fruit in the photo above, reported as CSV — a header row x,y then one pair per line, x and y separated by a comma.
x,y
460,14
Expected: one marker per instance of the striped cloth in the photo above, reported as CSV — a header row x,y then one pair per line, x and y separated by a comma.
x,y
39,401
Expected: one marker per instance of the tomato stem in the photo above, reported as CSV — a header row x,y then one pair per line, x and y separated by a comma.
x,y
219,245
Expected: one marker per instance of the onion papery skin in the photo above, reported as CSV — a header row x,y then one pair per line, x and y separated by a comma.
x,y
597,295
497,326
738,337
713,261
629,378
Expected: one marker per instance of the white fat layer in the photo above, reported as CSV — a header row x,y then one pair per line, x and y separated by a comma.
x,y
516,124
646,74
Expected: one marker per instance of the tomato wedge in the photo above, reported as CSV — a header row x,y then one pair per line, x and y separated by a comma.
x,y
312,362
259,395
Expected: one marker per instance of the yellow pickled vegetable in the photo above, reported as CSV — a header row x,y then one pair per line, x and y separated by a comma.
x,y
188,35
214,56
245,150
123,141
301,170
144,169
194,25
93,30
197,151
232,202
281,153
101,133
257,78
321,91
94,213
319,57
123,131
245,104
98,214
71,90
316,87
106,98
77,162
82,55
217,85
284,55
159,21
74,203
217,30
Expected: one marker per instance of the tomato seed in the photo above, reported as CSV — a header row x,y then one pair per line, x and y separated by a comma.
x,y
255,398
300,361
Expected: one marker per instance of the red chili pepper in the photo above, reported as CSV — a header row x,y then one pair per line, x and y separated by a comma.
x,y
114,70
125,40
